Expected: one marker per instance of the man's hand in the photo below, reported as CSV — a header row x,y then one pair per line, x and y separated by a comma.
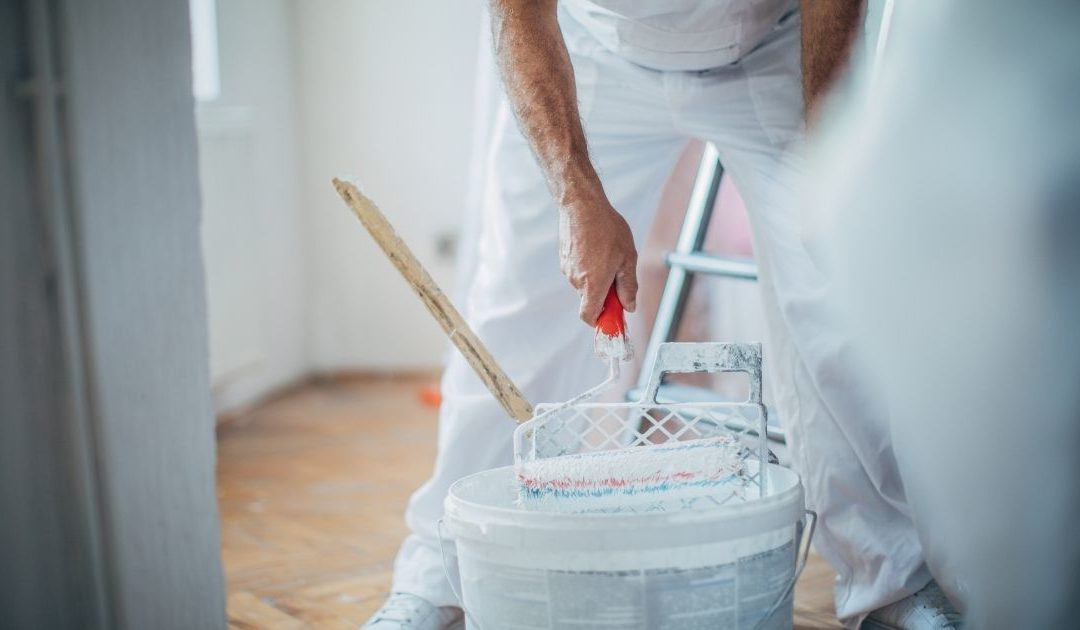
x,y
596,248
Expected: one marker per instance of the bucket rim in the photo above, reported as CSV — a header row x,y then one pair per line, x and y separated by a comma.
x,y
774,508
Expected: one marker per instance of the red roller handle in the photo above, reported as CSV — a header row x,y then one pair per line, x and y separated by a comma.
x,y
611,321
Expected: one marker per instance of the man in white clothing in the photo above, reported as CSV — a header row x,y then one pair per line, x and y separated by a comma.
x,y
606,93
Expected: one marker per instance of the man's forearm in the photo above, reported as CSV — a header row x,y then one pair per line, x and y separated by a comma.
x,y
829,28
539,80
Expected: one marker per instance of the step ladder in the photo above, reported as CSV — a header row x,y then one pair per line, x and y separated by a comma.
x,y
684,262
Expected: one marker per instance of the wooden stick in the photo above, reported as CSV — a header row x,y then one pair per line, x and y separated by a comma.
x,y
493,376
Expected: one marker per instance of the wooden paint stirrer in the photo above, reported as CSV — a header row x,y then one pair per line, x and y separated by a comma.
x,y
474,350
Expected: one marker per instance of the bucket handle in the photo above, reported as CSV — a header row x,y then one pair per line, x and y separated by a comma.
x,y
811,518
446,572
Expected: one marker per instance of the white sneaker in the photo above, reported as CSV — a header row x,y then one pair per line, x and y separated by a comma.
x,y
404,611
927,609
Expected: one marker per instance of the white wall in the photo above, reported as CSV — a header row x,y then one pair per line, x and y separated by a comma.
x,y
128,419
378,89
386,95
253,237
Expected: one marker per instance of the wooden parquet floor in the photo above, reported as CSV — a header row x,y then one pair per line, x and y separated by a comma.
x,y
312,487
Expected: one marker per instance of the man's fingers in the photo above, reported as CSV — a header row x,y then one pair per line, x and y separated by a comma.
x,y
626,287
592,300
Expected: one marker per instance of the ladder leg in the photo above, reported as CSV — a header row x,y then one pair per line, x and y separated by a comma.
x,y
691,238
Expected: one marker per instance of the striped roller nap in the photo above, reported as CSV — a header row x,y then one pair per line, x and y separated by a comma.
x,y
644,477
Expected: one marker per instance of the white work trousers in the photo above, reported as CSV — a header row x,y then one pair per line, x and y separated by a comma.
x,y
637,121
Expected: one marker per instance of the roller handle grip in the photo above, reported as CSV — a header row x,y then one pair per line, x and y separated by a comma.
x,y
611,321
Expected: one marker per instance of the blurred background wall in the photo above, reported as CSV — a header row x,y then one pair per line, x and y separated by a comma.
x,y
381,91
386,96
253,228
108,517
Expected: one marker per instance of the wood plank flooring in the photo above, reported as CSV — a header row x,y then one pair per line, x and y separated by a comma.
x,y
312,487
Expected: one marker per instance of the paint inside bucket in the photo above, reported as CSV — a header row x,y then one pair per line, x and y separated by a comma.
x,y
726,567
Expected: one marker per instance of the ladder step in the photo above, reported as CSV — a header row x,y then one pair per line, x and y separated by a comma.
x,y
698,262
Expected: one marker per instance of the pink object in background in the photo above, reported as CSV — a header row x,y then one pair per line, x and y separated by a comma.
x,y
729,231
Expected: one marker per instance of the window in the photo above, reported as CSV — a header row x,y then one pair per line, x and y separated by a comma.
x,y
206,78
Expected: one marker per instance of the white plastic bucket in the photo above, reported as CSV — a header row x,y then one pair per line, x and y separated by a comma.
x,y
728,567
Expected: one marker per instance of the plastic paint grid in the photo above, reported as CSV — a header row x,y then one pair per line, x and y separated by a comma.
x,y
639,456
